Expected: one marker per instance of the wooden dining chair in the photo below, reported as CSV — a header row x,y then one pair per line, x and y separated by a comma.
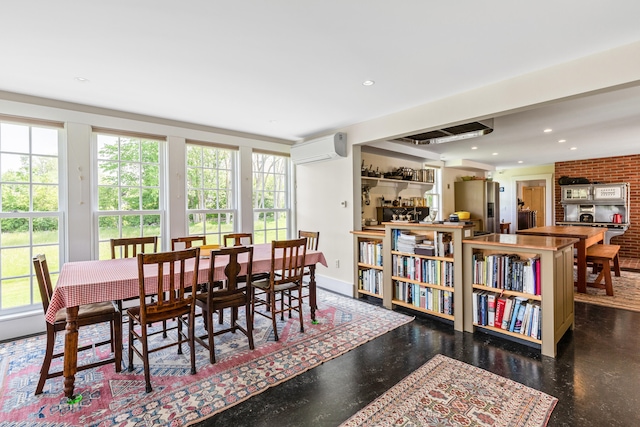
x,y
224,292
313,238
129,247
173,301
89,314
187,242
287,269
237,239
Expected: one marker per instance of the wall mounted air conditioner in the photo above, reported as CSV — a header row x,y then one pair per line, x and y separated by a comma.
x,y
317,150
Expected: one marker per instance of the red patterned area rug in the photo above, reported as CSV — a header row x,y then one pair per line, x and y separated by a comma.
x,y
446,392
178,398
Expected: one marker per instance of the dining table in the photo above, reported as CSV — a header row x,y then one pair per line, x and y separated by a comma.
x,y
586,235
86,282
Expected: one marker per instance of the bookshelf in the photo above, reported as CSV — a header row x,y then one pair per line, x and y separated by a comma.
x,y
429,281
369,270
535,272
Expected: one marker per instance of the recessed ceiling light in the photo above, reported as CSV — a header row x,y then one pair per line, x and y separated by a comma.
x,y
474,148
520,161
494,154
573,148
368,83
547,130
273,122
81,79
562,140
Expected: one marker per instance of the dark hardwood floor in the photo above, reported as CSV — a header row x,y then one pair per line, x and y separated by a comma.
x,y
596,375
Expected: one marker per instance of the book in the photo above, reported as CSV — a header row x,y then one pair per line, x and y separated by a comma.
x,y
474,307
514,316
506,318
517,326
491,309
500,303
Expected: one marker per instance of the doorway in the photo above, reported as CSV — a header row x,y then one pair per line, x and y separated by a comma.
x,y
534,200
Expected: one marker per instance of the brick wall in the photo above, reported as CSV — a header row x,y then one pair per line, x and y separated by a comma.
x,y
609,170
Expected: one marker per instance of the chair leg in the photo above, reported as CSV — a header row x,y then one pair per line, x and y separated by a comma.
x,y
164,329
274,311
130,344
46,364
212,350
249,317
300,308
179,335
192,342
116,333
145,359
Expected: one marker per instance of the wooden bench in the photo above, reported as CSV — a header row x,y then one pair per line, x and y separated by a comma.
x,y
601,256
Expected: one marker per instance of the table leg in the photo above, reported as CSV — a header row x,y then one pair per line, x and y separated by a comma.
x,y
70,351
312,292
582,266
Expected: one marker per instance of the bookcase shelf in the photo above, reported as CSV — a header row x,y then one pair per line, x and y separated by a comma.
x,y
423,310
430,284
554,290
369,272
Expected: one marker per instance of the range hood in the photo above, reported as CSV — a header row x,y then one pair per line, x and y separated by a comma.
x,y
453,133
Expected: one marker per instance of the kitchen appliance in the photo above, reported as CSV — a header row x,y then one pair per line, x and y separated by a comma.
x,y
597,205
481,199
386,214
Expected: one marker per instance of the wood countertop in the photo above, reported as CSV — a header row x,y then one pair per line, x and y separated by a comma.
x,y
523,241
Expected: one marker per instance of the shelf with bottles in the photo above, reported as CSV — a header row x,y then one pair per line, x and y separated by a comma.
x,y
369,260
423,268
519,288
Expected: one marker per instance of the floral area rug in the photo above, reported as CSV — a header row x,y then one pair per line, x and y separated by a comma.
x,y
626,292
446,392
178,398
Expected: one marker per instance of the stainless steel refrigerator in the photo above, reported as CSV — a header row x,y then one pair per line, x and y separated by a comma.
x,y
480,198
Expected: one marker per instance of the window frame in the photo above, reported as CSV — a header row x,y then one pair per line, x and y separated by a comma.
x,y
288,200
35,300
162,189
235,191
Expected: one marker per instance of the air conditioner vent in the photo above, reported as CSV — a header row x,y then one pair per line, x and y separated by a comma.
x,y
452,133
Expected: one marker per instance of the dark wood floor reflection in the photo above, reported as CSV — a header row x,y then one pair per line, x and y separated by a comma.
x,y
596,376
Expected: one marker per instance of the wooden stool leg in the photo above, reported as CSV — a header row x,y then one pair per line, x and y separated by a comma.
x,y
606,269
616,265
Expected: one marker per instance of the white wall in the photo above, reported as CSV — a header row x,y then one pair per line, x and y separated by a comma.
x,y
321,188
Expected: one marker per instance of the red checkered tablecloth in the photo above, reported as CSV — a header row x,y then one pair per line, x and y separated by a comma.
x,y
87,282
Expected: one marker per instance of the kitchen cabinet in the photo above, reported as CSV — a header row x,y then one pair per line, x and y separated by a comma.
x,y
488,276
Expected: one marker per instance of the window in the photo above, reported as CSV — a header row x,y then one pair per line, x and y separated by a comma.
x,y
30,218
129,189
211,191
432,197
271,197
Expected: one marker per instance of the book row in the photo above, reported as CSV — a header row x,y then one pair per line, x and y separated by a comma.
x,y
427,298
507,271
371,253
440,244
515,314
370,280
424,270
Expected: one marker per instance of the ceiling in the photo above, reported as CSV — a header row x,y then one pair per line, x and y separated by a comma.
x,y
291,70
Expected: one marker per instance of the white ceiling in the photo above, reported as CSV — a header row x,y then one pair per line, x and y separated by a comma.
x,y
292,69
